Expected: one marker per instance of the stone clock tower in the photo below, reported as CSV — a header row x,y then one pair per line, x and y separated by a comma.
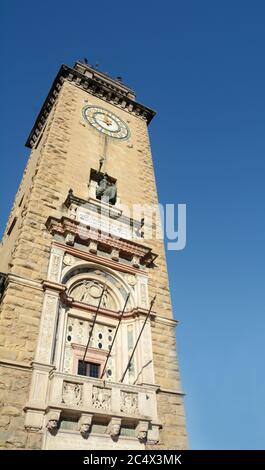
x,y
87,360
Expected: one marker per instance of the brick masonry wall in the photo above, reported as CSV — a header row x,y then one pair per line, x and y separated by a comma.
x,y
66,152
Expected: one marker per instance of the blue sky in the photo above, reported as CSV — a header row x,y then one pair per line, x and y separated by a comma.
x,y
200,65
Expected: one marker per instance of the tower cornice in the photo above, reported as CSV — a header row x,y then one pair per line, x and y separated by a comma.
x,y
96,83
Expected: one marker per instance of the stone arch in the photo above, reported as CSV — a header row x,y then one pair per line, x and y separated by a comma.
x,y
85,280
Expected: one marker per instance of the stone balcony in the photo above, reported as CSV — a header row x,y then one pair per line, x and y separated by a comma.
x,y
87,394
91,399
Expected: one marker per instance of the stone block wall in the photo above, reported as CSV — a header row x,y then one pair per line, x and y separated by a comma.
x,y
65,154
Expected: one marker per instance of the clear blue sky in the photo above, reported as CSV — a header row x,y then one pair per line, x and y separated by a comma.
x,y
200,65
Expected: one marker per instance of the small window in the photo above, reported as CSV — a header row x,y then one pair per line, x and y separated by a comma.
x,y
90,369
12,226
21,200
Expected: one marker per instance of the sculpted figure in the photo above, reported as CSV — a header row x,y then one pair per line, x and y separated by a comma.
x,y
115,430
84,424
142,431
114,427
106,191
52,423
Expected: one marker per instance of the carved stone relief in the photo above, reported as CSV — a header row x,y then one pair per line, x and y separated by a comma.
x,y
90,291
130,279
55,264
129,403
52,421
143,295
72,212
101,398
47,328
68,260
136,261
55,268
72,394
70,239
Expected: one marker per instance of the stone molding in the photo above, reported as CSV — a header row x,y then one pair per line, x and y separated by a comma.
x,y
15,364
101,260
135,312
170,391
23,281
67,227
167,321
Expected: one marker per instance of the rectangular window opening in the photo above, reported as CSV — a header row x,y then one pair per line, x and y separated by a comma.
x,y
90,369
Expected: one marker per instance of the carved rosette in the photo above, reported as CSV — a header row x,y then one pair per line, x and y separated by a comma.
x,y
101,398
130,279
68,260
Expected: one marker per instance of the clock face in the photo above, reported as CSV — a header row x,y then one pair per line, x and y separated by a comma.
x,y
106,122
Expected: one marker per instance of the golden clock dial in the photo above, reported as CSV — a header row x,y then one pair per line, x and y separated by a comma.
x,y
106,122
